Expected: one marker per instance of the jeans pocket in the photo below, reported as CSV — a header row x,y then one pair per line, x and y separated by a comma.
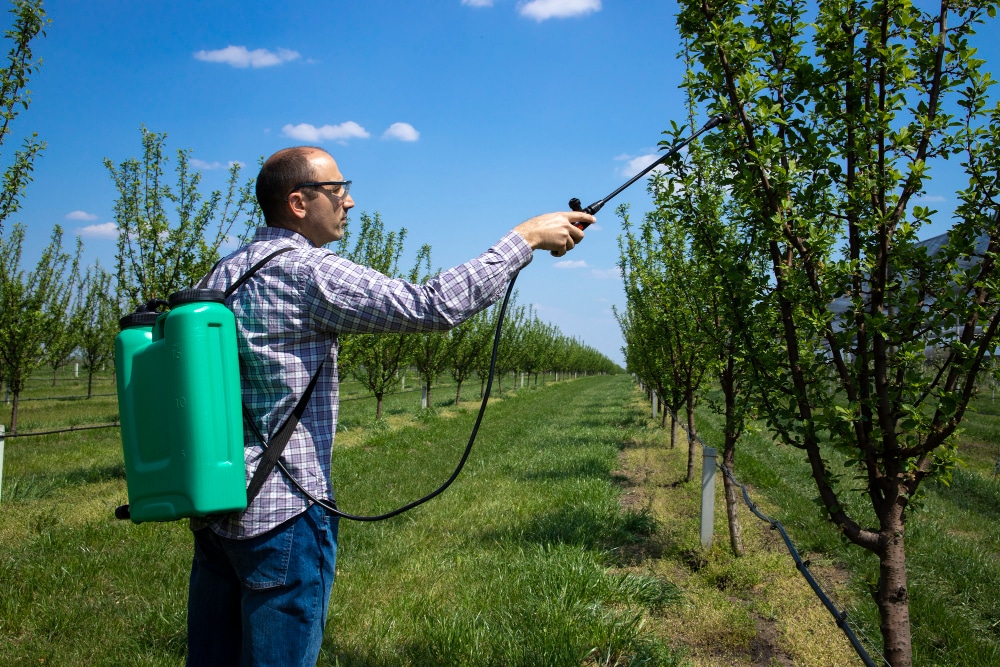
x,y
262,562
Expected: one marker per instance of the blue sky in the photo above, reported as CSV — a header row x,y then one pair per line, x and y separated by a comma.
x,y
456,119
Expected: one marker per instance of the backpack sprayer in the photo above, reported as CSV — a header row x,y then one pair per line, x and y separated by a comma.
x,y
181,411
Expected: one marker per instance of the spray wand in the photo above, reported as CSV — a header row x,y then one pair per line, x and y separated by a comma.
x,y
574,203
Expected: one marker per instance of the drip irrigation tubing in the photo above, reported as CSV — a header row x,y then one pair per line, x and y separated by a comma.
x,y
87,427
80,397
839,616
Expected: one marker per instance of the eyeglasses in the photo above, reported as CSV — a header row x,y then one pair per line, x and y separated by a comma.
x,y
346,185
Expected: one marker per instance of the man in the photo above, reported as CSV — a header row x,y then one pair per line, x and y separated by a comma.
x,y
261,579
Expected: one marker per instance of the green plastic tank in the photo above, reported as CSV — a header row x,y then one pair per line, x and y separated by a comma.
x,y
180,409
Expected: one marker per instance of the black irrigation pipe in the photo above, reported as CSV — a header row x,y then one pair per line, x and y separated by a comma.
x,y
15,434
80,397
839,616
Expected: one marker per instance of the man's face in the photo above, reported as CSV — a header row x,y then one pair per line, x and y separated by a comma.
x,y
326,214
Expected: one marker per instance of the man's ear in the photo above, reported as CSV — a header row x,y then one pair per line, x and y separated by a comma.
x,y
297,204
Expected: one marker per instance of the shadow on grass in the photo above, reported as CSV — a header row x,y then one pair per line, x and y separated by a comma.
x,y
592,467
973,493
628,535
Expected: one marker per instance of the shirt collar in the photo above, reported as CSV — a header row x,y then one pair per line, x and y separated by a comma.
x,y
276,233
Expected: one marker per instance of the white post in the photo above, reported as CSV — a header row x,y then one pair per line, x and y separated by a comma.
x,y
402,387
656,405
423,397
76,370
2,432
522,379
707,495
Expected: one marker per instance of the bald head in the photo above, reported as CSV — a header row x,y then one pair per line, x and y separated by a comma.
x,y
279,174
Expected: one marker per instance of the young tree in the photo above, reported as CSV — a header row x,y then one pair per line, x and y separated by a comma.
x,y
536,337
468,344
511,336
430,356
734,278
29,306
94,320
159,251
668,284
28,23
63,339
375,359
430,349
840,118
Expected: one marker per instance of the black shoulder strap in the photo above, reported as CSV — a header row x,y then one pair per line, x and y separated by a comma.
x,y
252,270
246,276
274,449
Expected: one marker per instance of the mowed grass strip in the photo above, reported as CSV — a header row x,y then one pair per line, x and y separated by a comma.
x,y
517,564
750,610
952,539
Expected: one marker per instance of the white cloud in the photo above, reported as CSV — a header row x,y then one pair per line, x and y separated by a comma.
x,y
636,164
229,243
80,215
340,133
202,164
606,274
104,230
478,3
402,132
541,10
570,264
240,56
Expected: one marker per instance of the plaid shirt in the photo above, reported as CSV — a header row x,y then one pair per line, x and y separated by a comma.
x,y
288,317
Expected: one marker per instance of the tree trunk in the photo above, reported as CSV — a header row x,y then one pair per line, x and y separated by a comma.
x,y
892,597
673,431
458,393
734,427
90,382
13,411
378,406
732,500
691,434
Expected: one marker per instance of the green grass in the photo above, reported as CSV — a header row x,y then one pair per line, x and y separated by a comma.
x,y
528,559
514,565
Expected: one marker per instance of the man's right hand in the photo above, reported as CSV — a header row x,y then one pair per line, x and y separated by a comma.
x,y
555,232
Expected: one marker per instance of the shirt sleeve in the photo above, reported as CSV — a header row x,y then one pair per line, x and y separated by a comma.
x,y
345,297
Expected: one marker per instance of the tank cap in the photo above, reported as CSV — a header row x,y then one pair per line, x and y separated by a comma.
x,y
143,318
195,295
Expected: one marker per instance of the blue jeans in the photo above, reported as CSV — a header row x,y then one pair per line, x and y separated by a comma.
x,y
262,601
